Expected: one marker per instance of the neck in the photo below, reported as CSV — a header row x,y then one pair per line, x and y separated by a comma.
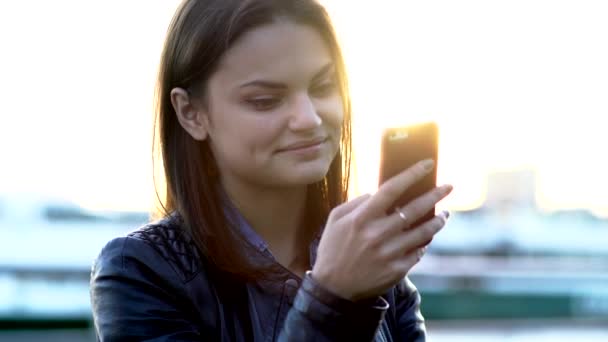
x,y
276,215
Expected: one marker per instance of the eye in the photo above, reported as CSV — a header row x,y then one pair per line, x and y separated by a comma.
x,y
324,89
264,103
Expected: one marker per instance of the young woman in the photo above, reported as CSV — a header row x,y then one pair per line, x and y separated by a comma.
x,y
257,241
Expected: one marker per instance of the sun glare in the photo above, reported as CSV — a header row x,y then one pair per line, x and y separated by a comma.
x,y
507,97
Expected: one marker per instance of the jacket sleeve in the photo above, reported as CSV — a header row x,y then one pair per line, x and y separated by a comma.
x,y
408,318
130,301
319,315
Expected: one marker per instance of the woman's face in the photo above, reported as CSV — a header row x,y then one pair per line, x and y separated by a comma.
x,y
274,108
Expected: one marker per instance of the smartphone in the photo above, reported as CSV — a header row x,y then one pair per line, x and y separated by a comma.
x,y
403,147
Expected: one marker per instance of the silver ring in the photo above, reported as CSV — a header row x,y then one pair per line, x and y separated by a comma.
x,y
401,214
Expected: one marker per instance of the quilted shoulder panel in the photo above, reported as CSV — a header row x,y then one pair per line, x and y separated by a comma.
x,y
174,244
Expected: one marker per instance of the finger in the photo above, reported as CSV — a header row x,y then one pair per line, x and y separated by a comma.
x,y
392,189
404,264
404,242
347,207
403,217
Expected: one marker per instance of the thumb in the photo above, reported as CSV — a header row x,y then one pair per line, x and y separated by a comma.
x,y
345,208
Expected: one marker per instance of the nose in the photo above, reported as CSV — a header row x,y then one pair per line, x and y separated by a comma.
x,y
304,115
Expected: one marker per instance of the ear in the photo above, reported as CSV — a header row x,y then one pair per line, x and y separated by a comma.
x,y
192,116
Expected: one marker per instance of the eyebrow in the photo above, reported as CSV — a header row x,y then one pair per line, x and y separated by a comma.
x,y
277,85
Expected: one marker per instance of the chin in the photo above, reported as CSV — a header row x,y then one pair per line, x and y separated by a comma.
x,y
313,178
309,175
301,172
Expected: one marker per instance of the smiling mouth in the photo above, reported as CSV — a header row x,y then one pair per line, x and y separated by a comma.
x,y
303,145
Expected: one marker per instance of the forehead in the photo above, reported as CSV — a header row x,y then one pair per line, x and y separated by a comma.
x,y
282,50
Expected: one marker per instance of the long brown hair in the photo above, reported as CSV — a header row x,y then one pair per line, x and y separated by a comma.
x,y
198,36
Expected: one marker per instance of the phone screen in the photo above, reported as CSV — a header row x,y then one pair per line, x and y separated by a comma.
x,y
403,147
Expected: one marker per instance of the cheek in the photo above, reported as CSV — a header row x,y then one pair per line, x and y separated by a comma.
x,y
332,111
243,134
263,132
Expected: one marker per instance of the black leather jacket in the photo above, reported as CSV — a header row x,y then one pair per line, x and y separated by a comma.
x,y
152,286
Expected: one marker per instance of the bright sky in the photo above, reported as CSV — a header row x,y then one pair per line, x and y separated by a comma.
x,y
513,84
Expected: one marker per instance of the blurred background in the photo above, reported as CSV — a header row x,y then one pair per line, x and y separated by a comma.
x,y
519,89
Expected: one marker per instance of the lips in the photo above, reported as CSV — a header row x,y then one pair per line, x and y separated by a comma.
x,y
303,144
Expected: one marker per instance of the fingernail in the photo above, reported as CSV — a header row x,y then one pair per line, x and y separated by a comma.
x,y
428,164
447,188
420,253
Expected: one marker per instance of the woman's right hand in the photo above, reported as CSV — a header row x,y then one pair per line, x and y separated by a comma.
x,y
363,251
